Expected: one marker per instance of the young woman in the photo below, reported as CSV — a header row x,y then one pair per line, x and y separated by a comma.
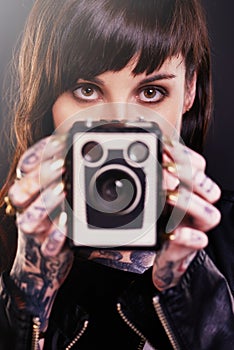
x,y
77,56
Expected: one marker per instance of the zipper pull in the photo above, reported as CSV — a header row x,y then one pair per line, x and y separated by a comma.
x,y
35,332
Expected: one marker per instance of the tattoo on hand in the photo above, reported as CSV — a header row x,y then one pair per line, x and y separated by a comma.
x,y
34,215
170,273
40,277
34,156
164,276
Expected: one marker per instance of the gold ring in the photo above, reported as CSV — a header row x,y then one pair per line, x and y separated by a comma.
x,y
10,208
170,236
167,141
173,195
170,166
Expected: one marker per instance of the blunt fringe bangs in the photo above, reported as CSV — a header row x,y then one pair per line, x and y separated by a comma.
x,y
92,37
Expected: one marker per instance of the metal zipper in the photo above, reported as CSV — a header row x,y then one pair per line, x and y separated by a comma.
x,y
165,324
35,332
141,345
133,327
75,340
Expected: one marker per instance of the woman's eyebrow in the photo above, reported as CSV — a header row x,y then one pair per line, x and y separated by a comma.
x,y
92,80
157,77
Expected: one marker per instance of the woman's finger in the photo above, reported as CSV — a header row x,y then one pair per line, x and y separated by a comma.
x,y
195,180
189,237
54,242
45,149
30,220
23,191
189,170
200,214
205,186
182,155
182,242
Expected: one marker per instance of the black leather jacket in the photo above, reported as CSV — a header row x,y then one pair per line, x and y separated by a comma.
x,y
102,308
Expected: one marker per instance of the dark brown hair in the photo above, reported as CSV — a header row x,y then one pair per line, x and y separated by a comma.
x,y
69,39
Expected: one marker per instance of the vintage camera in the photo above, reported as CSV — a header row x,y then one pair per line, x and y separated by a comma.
x,y
113,184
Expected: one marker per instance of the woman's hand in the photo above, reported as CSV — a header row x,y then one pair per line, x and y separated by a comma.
x,y
192,193
43,260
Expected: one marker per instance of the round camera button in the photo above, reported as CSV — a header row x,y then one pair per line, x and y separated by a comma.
x,y
138,152
92,151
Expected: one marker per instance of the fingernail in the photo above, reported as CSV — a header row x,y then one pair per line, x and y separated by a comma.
x,y
62,219
59,188
57,164
58,140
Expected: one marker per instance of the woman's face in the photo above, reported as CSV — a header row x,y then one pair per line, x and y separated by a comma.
x,y
164,91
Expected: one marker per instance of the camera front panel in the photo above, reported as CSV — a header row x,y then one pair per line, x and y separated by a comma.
x,y
115,188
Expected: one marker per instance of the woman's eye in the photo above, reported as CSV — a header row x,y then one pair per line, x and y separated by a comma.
x,y
151,94
86,93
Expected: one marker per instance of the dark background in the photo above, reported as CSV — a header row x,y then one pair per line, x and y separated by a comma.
x,y
220,144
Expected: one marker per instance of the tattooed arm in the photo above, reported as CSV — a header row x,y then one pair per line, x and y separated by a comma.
x,y
39,277
42,260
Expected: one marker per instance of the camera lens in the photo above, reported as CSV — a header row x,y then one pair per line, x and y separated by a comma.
x,y
138,152
115,189
92,151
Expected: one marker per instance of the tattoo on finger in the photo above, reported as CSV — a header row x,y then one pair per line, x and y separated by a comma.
x,y
32,215
31,159
195,237
34,156
54,239
203,181
208,210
